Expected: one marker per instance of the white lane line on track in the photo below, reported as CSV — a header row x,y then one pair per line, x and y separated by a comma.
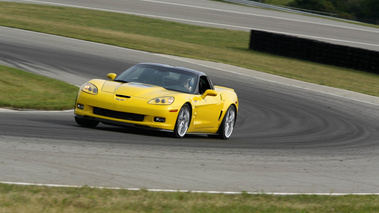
x,y
185,191
264,16
198,62
218,24
34,111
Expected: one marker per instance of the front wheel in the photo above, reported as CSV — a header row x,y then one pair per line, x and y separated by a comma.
x,y
227,125
86,122
182,122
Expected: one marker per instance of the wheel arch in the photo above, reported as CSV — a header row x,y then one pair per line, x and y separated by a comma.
x,y
227,104
191,107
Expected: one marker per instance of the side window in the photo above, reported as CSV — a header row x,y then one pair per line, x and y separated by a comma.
x,y
204,84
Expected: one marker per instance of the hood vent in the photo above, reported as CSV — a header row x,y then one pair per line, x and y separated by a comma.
x,y
122,96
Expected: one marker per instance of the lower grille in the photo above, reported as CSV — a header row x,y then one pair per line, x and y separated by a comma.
x,y
117,114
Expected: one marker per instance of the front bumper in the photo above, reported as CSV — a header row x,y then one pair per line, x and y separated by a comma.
x,y
107,109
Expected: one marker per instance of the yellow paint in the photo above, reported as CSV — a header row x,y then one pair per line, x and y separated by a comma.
x,y
134,98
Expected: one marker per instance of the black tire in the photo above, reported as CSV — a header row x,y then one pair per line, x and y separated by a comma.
x,y
182,121
227,125
86,122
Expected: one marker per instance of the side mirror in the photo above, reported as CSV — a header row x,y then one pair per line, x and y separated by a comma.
x,y
112,76
209,92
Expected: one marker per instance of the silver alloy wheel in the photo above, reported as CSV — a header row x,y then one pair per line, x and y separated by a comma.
x,y
229,122
182,122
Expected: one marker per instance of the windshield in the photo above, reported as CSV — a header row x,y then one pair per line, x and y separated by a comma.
x,y
166,77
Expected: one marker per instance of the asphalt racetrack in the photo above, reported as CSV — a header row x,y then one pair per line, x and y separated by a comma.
x,y
287,139
235,17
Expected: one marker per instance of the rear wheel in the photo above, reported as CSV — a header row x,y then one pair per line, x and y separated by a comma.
x,y
86,122
227,125
182,122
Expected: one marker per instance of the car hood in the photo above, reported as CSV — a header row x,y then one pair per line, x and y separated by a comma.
x,y
134,89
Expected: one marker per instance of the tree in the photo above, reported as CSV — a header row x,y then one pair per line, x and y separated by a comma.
x,y
315,5
370,9
363,10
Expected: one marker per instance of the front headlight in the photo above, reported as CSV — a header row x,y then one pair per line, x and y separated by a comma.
x,y
162,100
89,88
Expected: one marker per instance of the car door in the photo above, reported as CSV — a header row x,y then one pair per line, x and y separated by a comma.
x,y
207,110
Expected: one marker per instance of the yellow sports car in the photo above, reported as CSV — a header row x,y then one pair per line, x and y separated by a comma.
x,y
159,96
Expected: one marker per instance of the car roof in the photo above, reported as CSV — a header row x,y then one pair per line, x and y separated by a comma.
x,y
175,67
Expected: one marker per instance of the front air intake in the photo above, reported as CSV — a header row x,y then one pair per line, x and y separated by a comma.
x,y
117,114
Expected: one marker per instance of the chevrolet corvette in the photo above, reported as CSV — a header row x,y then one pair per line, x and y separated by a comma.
x,y
161,97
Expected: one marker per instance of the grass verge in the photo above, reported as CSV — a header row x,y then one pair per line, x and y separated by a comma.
x,y
226,46
24,90
15,198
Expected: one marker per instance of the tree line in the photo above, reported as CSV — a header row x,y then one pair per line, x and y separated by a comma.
x,y
360,10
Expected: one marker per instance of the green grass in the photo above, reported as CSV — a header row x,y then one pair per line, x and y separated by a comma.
x,y
30,199
226,46
23,90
